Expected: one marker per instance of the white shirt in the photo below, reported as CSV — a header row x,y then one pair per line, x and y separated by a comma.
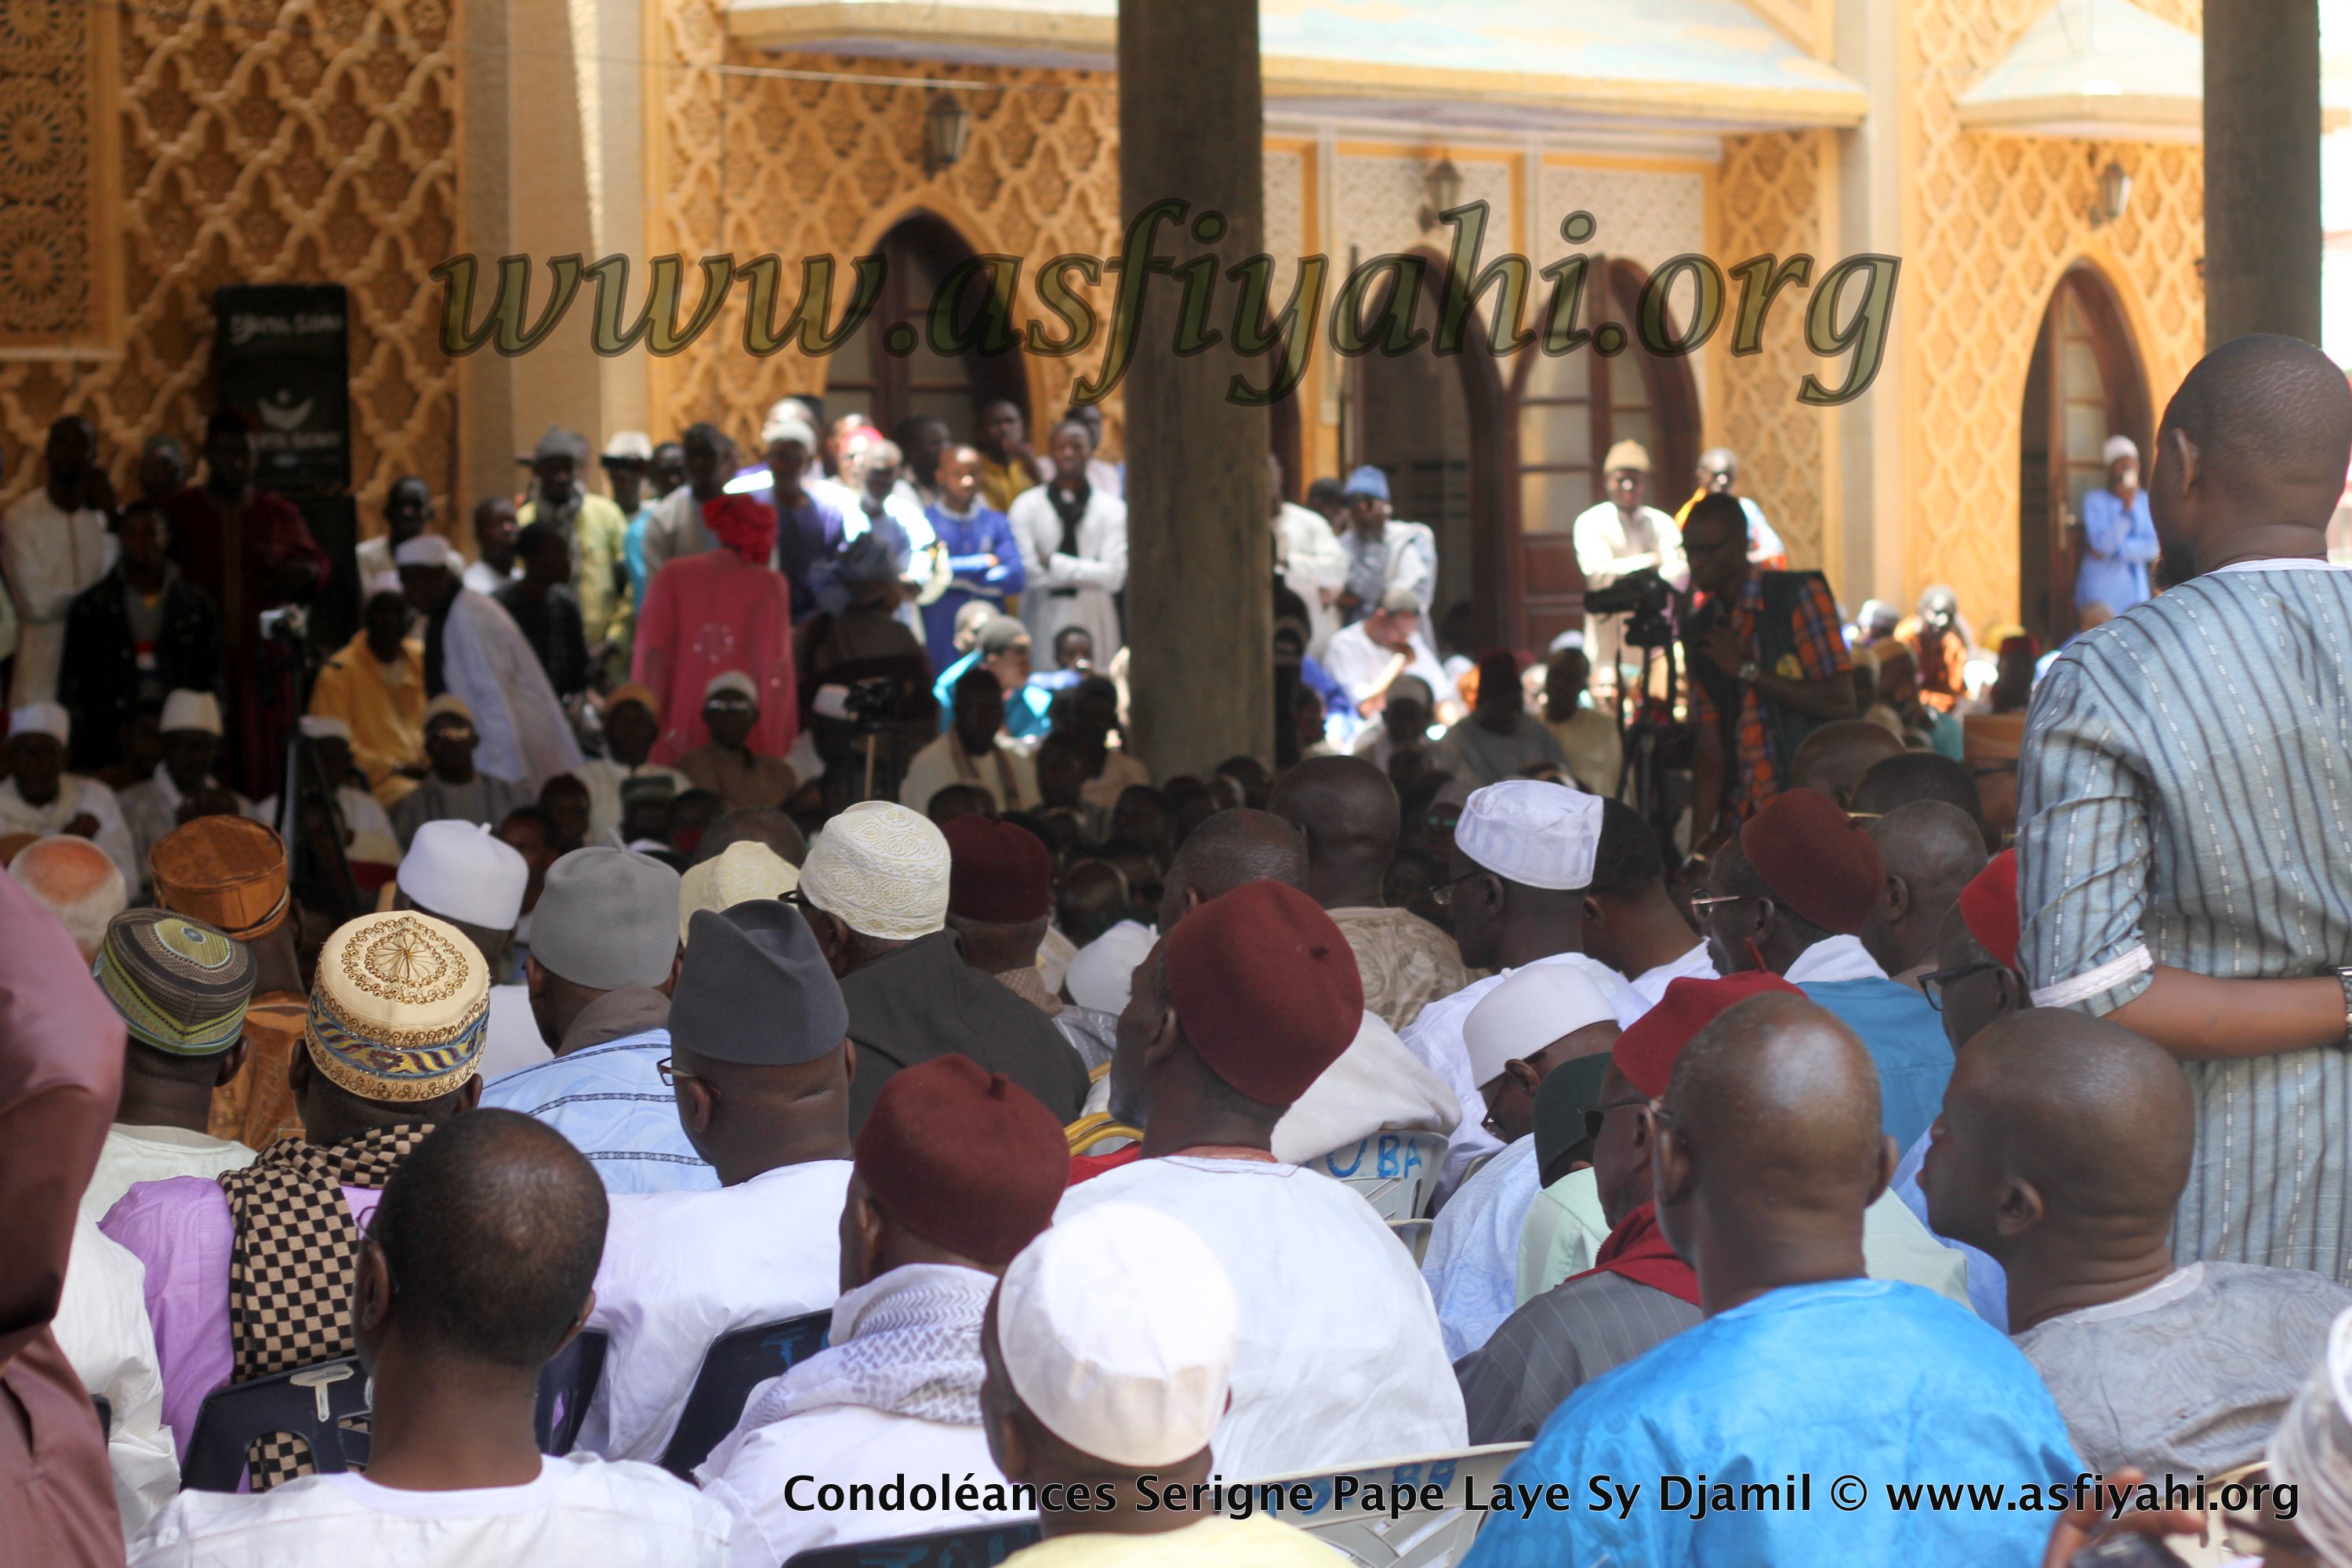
x,y
76,794
514,1041
101,1327
1070,590
1376,1086
482,577
369,826
1610,543
525,738
50,555
682,1269
1473,1263
751,1474
1696,964
1314,567
134,1154
1340,1361
150,809
1834,957
604,777
578,1514
1357,662
1436,1038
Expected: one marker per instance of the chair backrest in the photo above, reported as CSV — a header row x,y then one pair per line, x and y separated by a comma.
x,y
1351,1510
735,1364
566,1384
978,1546
1396,1172
1098,1133
309,1401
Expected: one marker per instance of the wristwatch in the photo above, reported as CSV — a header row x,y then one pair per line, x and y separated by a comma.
x,y
1749,669
2344,978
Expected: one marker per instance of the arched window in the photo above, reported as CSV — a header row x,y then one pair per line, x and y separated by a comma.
x,y
919,253
1569,410
2085,384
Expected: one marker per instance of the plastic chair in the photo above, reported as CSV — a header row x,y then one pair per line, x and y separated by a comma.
x,y
1396,1172
1361,1529
1099,1134
309,1401
983,1546
566,1384
735,1364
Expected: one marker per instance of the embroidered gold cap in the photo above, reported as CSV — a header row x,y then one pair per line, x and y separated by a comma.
x,y
401,1007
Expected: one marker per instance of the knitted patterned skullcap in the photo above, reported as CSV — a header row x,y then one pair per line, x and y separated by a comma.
x,y
180,984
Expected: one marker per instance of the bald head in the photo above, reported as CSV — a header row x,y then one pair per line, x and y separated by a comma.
x,y
1833,758
75,881
1908,777
491,1231
1228,849
2063,1131
1930,851
1769,1150
1347,810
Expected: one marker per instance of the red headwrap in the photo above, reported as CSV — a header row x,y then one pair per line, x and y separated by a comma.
x,y
743,525
1816,859
1988,908
965,1158
1646,1052
1265,988
997,872
1637,1249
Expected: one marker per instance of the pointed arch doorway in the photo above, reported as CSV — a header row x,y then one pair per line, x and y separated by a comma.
x,y
2085,383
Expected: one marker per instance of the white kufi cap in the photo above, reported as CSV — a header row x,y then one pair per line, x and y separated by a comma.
x,y
1530,1009
42,719
2116,448
463,872
1117,1328
425,550
1102,973
185,710
883,869
326,726
1535,834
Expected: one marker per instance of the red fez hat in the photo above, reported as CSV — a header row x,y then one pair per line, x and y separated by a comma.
x,y
1816,859
963,1157
1267,989
997,871
1988,907
1646,1052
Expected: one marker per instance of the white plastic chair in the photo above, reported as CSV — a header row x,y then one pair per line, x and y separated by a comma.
x,y
1395,1172
1360,1528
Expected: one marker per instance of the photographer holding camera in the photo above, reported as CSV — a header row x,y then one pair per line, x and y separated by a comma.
x,y
865,680
1768,663
1616,539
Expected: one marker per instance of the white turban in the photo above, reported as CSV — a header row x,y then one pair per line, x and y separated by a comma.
x,y
1528,1011
1117,1329
2116,448
882,869
462,871
1535,834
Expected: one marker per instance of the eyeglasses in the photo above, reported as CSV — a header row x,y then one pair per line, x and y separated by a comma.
x,y
1704,905
1444,894
670,1071
1932,984
1596,1115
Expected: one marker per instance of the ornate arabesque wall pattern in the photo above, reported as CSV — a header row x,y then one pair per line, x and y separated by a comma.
x,y
310,140
1994,222
751,164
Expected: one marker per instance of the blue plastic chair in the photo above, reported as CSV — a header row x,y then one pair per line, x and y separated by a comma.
x,y
735,1364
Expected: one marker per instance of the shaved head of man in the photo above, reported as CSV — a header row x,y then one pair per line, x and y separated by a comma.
x,y
1833,758
1767,1150
2063,1151
1347,808
1232,848
2251,456
1931,850
1908,777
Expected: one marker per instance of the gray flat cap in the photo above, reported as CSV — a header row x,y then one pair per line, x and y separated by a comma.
x,y
606,919
756,989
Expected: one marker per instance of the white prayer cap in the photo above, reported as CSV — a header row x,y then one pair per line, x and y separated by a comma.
x,y
1117,1329
1530,1010
42,719
2116,448
629,446
2311,1449
1535,834
730,680
882,869
448,702
746,870
75,881
185,710
326,726
463,872
1104,970
1626,454
425,550
789,421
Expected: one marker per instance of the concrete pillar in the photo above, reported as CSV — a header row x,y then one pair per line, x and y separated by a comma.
x,y
1865,543
2262,169
1200,545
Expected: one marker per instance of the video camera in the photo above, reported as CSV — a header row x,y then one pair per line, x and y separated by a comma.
x,y
1646,601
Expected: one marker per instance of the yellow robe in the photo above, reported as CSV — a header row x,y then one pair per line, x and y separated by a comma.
x,y
387,721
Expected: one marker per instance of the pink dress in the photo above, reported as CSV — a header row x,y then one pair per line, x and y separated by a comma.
x,y
705,614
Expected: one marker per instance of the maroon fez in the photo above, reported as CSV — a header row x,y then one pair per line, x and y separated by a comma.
x,y
965,1158
997,872
1816,859
1265,988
